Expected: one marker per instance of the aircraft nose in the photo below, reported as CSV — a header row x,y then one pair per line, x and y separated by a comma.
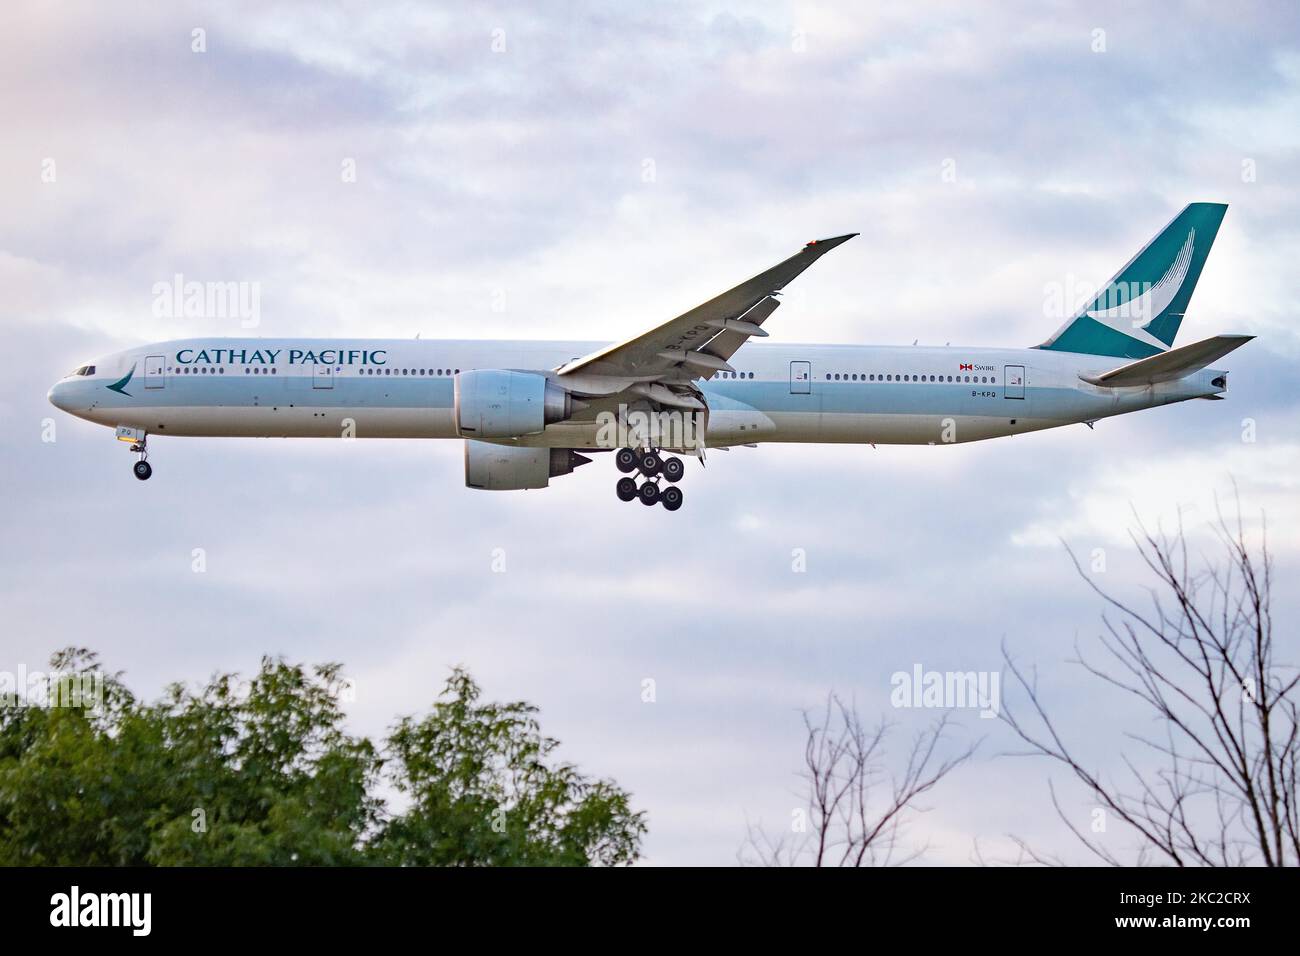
x,y
60,396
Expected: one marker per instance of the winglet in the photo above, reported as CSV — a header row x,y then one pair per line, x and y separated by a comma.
x,y
825,245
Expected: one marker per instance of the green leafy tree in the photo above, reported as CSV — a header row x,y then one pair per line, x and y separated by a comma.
x,y
262,772
226,776
276,778
484,790
63,771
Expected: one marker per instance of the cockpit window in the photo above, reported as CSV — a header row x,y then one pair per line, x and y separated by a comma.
x,y
84,370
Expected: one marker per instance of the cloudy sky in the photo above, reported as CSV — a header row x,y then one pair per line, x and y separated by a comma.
x,y
586,173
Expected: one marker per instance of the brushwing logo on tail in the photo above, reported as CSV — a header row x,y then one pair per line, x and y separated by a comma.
x,y
120,385
1132,317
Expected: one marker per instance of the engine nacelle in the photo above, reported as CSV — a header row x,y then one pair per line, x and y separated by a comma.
x,y
512,468
499,403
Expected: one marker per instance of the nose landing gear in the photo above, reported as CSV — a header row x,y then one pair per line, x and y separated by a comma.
x,y
142,469
652,466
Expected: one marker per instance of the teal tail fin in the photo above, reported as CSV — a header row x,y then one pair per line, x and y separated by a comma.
x,y
1137,313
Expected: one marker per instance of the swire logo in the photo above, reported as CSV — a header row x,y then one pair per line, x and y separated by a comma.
x,y
965,367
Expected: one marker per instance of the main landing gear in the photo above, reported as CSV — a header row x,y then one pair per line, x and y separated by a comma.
x,y
142,468
652,466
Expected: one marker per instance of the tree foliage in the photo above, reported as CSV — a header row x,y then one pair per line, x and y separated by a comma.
x,y
484,789
263,772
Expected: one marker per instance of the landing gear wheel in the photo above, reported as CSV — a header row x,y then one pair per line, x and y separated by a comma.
x,y
625,489
142,470
671,498
673,469
648,493
649,462
626,459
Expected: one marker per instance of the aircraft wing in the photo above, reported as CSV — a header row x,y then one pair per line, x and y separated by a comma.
x,y
698,343
1170,365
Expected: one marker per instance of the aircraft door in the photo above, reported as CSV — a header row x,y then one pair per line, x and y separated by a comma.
x,y
800,378
323,377
155,371
1013,382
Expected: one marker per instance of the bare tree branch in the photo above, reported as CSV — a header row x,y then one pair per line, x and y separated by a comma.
x,y
855,816
1221,789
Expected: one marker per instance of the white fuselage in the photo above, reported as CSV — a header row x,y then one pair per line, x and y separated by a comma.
x,y
778,393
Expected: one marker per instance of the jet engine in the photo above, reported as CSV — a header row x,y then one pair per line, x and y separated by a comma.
x,y
500,403
512,468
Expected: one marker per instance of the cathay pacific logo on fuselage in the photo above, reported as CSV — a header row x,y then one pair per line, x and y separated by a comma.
x,y
120,385
266,356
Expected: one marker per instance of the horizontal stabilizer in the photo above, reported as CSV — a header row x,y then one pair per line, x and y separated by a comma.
x,y
1170,365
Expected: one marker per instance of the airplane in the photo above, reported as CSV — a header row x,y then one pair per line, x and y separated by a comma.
x,y
527,411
